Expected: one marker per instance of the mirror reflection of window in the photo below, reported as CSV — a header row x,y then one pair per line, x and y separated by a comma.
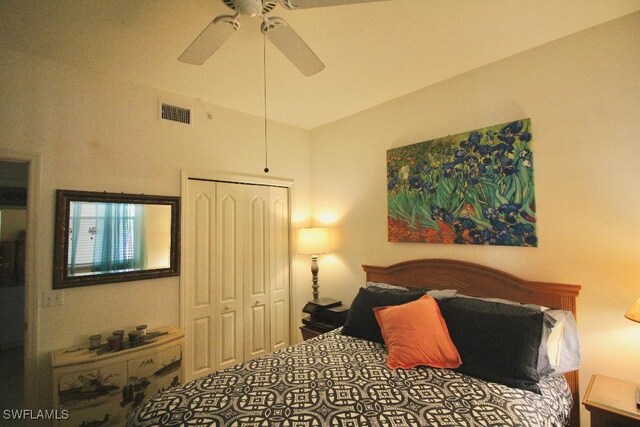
x,y
117,237
106,237
158,235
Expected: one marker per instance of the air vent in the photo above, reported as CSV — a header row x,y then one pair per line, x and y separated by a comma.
x,y
175,114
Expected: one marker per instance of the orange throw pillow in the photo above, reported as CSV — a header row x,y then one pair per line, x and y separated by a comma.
x,y
416,334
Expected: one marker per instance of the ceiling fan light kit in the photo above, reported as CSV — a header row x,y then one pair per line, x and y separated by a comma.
x,y
250,8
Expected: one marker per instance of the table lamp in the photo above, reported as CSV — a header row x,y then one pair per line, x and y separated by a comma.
x,y
634,314
313,241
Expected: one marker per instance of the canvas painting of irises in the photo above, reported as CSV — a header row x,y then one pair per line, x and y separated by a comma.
x,y
471,188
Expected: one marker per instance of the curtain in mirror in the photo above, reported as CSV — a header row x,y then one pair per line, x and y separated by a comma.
x,y
106,237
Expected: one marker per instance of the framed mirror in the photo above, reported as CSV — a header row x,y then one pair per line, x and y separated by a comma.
x,y
114,237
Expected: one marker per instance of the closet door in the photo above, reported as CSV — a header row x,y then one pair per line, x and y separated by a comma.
x,y
279,256
257,338
229,283
200,308
237,274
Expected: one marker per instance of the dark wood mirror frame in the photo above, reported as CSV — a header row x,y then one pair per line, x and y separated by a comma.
x,y
61,278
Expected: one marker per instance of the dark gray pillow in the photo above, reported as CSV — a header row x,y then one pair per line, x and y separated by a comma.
x,y
397,291
361,321
497,342
544,366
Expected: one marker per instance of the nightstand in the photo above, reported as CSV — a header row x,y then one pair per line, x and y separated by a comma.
x,y
324,315
611,402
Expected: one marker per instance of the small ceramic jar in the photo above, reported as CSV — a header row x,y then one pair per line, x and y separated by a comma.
x,y
115,342
95,341
134,337
142,329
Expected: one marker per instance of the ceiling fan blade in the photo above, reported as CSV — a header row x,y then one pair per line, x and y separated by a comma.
x,y
210,40
292,46
307,4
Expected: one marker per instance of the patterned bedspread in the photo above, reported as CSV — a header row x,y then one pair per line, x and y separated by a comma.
x,y
335,380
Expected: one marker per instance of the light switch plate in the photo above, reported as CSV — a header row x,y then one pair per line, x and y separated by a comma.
x,y
52,298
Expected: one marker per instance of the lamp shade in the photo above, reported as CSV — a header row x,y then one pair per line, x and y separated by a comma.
x,y
634,312
313,241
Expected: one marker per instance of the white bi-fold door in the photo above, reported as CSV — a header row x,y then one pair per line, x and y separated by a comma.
x,y
236,273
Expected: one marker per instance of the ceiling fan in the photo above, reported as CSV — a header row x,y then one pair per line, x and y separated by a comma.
x,y
275,29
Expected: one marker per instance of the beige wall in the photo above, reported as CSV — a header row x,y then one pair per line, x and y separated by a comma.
x,y
97,133
582,94
12,222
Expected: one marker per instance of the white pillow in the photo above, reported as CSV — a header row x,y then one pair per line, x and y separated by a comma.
x,y
563,344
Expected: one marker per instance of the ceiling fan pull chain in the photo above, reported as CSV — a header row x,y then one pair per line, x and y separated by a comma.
x,y
264,68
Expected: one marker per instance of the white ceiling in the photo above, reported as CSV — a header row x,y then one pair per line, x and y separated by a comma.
x,y
373,52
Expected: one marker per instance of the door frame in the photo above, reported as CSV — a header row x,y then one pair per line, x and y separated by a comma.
x,y
31,306
185,176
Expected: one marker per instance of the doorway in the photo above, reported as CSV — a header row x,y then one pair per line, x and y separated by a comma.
x,y
14,183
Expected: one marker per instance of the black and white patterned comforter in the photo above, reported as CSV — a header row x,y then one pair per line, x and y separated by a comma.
x,y
339,381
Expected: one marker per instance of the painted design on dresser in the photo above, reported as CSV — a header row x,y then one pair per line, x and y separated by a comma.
x,y
150,375
89,396
88,388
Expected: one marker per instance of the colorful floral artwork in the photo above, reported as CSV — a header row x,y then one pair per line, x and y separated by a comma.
x,y
472,188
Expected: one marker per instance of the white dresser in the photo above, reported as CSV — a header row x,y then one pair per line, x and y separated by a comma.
x,y
102,387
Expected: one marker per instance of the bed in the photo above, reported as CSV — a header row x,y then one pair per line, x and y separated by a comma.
x,y
338,380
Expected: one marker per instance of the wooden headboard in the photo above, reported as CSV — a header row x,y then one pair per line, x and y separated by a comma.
x,y
480,281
